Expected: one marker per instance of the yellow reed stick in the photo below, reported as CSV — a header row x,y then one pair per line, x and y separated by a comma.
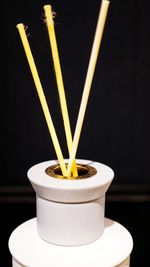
x,y
59,79
41,95
88,81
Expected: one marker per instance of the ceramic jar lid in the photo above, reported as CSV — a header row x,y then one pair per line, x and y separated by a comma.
x,y
71,191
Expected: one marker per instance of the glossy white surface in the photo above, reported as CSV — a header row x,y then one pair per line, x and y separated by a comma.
x,y
112,249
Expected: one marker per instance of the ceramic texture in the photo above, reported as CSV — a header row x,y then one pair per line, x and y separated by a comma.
x,y
70,212
113,249
126,263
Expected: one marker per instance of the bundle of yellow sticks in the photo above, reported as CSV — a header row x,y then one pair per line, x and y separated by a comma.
x,y
68,170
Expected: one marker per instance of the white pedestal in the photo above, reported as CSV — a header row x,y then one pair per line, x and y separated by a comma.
x,y
113,248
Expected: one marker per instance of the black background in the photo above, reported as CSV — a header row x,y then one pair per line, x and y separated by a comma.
x,y
116,129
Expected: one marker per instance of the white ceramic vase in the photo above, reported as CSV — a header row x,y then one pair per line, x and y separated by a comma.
x,y
70,229
70,212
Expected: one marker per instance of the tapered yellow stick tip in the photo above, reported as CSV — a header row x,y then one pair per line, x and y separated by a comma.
x,y
47,7
20,25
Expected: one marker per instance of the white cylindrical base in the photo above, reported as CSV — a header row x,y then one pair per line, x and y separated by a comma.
x,y
112,249
79,223
71,224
